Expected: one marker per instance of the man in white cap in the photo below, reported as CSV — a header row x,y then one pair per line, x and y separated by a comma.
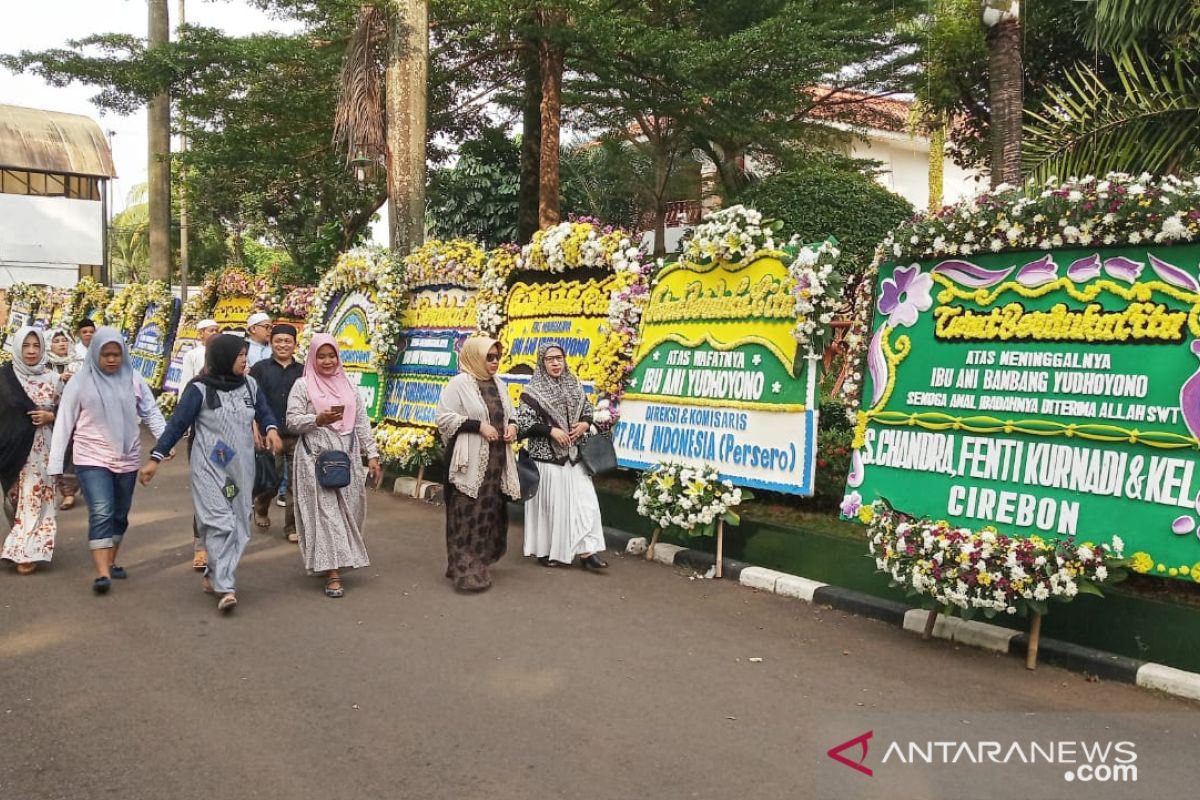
x,y
193,360
258,333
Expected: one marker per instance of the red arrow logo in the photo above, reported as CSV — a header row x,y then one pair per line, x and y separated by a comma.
x,y
836,751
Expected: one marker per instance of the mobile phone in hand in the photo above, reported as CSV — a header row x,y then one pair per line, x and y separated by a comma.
x,y
338,409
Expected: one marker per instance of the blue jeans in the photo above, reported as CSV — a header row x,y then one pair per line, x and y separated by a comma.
x,y
108,495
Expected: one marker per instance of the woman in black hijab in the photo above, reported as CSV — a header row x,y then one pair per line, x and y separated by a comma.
x,y
221,406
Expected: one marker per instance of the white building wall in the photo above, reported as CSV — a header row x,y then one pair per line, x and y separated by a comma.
x,y
905,168
46,239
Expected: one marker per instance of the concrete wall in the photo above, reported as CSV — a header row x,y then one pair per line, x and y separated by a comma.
x,y
906,168
45,239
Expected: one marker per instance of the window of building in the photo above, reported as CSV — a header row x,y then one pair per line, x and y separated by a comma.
x,y
47,184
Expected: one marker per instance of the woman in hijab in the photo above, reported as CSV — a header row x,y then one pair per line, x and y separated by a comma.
x,y
220,406
328,413
65,360
29,392
477,423
563,519
99,418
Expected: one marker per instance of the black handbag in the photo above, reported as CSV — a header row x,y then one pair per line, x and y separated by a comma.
x,y
527,474
333,467
598,454
266,477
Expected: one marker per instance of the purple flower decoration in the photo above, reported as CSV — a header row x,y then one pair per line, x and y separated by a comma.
x,y
858,471
1084,269
1173,275
851,503
968,274
1124,269
905,295
877,366
1038,273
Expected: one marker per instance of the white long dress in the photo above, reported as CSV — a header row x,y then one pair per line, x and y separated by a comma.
x,y
563,519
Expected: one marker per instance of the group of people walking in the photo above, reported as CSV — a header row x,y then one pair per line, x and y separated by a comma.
x,y
72,411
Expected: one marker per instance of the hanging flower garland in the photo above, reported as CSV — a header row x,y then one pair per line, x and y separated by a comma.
x,y
1116,210
370,269
453,262
967,571
493,287
817,285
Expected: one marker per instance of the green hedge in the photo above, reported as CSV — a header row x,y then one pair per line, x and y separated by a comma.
x,y
818,200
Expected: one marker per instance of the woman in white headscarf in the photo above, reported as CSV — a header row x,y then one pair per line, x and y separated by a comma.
x,y
100,413
66,360
554,416
30,392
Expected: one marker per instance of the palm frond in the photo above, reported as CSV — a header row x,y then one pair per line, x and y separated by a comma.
x,y
359,124
1117,24
1149,123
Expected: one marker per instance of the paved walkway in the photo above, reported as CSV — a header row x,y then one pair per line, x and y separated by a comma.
x,y
637,683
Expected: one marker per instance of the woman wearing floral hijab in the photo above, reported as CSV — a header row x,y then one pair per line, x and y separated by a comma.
x,y
563,519
29,392
99,418
328,413
477,423
220,406
65,360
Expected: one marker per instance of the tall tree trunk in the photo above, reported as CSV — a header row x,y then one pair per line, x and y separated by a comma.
x,y
550,58
159,154
407,75
531,144
1006,97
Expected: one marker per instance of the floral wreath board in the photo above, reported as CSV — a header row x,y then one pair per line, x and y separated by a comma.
x,y
359,302
151,348
1050,392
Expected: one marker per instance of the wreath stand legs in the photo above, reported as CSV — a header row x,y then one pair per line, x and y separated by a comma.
x,y
930,621
1035,635
720,546
653,541
420,477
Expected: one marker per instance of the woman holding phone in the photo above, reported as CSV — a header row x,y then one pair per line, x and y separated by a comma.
x,y
327,413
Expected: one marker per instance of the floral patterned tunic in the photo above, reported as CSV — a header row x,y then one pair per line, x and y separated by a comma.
x,y
35,526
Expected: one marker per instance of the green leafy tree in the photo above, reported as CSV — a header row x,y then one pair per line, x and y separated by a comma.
x,y
129,239
478,197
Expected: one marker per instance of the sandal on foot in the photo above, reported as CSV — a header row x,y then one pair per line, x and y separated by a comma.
x,y
332,592
68,502
101,585
227,602
118,573
262,521
293,537
27,568
200,560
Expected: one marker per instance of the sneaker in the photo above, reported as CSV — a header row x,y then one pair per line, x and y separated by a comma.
x,y
281,502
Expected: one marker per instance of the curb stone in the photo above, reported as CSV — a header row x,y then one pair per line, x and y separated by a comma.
x,y
1077,658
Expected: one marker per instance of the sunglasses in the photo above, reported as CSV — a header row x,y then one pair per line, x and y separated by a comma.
x,y
493,357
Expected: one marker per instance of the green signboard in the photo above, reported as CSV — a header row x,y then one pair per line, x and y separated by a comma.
x,y
1047,393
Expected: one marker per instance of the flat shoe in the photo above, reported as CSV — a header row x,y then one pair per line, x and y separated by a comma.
x,y
547,561
226,603
200,560
261,521
101,585
67,502
330,591
593,562
118,573
293,537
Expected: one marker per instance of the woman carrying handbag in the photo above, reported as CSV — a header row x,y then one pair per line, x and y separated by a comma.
x,y
329,480
554,416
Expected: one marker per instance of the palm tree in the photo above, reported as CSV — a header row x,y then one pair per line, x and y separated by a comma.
x,y
1002,18
1148,118
129,239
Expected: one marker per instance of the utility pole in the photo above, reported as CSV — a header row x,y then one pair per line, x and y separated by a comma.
x,y
407,74
159,156
183,200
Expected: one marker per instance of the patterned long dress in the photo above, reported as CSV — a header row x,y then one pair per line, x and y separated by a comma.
x,y
36,523
329,521
223,480
477,529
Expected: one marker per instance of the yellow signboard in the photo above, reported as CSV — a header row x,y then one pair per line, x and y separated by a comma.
x,y
440,308
231,313
723,306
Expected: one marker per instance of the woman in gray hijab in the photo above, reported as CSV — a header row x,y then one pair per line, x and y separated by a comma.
x,y
100,412
554,416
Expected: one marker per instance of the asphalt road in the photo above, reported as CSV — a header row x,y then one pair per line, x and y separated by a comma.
x,y
637,683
